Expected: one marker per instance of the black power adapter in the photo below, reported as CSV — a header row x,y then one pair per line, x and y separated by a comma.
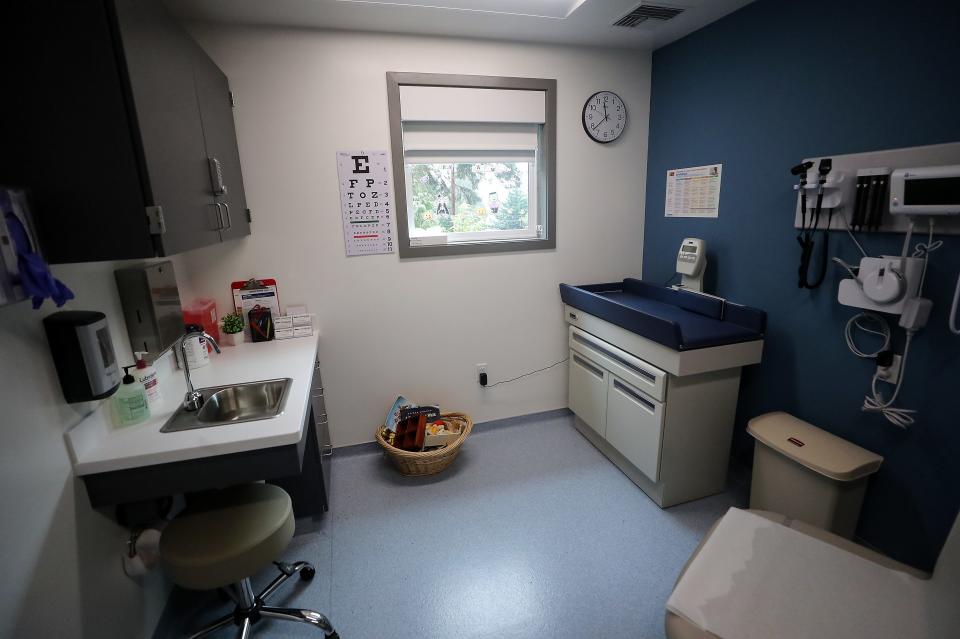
x,y
483,379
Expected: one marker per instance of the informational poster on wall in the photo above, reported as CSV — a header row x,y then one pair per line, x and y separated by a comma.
x,y
693,192
365,202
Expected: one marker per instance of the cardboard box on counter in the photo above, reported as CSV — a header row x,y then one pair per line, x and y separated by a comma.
x,y
289,326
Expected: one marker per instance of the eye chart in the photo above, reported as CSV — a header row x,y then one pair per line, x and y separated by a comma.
x,y
365,202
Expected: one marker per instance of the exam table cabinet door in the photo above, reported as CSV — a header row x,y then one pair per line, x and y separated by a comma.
x,y
635,426
588,392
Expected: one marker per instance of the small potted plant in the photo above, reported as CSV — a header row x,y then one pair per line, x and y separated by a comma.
x,y
232,326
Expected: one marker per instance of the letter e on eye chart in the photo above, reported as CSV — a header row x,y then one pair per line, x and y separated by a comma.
x,y
366,202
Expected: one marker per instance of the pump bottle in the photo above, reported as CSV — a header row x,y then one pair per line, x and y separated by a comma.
x,y
130,401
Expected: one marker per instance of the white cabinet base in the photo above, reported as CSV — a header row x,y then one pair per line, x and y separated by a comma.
x,y
675,450
588,392
652,489
635,426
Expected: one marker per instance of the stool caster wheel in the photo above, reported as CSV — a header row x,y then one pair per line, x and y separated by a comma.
x,y
307,573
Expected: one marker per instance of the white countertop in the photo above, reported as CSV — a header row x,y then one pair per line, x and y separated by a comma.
x,y
96,445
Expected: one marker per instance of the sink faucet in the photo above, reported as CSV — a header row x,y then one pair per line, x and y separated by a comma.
x,y
193,399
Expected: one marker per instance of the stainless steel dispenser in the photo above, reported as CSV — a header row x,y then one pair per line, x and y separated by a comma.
x,y
151,306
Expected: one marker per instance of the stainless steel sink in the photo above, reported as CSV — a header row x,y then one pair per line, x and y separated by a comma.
x,y
233,404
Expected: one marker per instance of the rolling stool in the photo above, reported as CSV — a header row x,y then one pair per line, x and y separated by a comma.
x,y
225,536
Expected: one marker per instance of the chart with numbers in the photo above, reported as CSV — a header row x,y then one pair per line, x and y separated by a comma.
x,y
365,201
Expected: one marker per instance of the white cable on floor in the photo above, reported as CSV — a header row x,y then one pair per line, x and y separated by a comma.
x,y
900,417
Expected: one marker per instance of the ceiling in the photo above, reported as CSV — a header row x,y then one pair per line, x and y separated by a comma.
x,y
570,22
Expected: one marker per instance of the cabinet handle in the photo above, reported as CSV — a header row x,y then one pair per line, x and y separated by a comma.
x,y
592,369
650,377
216,176
219,215
326,450
229,219
318,392
316,364
646,403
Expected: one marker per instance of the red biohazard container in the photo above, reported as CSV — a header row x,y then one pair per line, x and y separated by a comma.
x,y
203,311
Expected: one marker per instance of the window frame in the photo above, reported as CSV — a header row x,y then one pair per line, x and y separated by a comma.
x,y
543,182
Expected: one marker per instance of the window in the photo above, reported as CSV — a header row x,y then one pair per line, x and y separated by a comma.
x,y
476,163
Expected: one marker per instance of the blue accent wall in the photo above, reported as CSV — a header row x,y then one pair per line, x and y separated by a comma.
x,y
758,91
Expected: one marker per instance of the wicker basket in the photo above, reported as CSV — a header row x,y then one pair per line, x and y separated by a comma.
x,y
431,461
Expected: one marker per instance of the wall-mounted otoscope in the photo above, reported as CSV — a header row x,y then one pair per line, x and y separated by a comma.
x,y
805,237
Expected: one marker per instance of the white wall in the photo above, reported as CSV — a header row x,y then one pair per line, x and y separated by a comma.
x,y
61,574
419,327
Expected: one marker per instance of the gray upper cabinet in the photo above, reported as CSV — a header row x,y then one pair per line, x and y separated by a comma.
x,y
118,114
223,157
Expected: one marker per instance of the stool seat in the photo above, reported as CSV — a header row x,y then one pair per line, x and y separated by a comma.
x,y
225,536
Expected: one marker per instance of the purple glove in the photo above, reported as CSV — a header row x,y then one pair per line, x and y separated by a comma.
x,y
35,276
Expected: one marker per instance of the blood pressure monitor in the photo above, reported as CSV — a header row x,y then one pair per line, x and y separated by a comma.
x,y
692,262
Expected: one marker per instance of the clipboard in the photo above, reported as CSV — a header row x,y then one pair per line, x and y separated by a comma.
x,y
255,292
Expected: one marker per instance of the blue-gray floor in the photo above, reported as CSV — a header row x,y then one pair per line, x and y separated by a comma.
x,y
532,533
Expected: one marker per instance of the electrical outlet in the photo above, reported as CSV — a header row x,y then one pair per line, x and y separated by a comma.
x,y
482,374
891,374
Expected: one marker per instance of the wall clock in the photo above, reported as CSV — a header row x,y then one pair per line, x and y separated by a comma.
x,y
604,116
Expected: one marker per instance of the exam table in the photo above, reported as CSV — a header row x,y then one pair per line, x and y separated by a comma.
x,y
929,600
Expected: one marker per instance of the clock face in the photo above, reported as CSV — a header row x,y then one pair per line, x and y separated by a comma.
x,y
604,116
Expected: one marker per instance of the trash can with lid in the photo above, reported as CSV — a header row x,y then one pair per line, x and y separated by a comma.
x,y
806,473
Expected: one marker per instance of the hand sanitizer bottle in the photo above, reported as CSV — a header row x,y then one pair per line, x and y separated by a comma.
x,y
130,401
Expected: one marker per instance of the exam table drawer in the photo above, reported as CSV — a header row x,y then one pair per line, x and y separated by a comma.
x,y
635,426
633,370
588,391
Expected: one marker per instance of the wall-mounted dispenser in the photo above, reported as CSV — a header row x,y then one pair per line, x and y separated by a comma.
x,y
12,206
151,306
83,354
23,272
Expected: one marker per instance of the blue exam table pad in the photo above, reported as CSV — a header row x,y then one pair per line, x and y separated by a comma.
x,y
681,320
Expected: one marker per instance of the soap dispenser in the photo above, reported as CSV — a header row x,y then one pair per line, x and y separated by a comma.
x,y
130,401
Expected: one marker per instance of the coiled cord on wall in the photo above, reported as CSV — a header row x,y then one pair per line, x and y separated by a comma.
x,y
875,403
876,324
858,321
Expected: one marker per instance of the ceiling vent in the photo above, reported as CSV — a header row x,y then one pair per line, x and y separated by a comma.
x,y
645,12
